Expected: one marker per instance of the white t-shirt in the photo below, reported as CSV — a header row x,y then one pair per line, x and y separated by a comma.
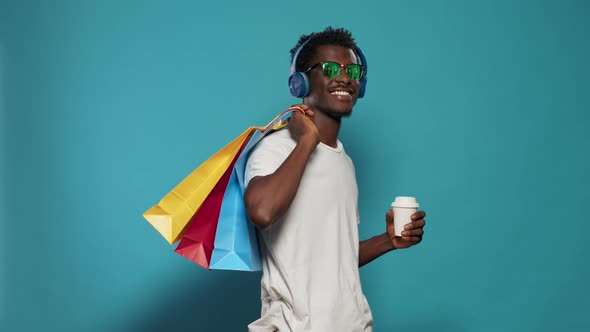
x,y
310,279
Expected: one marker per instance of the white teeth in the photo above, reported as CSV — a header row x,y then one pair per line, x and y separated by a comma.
x,y
341,93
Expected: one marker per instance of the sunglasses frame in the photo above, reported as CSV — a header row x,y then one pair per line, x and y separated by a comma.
x,y
341,66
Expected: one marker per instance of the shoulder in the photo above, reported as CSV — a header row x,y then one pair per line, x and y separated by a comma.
x,y
278,141
278,137
269,154
347,157
277,145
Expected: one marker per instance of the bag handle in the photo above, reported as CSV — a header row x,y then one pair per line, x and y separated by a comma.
x,y
280,121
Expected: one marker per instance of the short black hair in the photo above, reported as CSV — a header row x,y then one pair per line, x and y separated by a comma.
x,y
330,36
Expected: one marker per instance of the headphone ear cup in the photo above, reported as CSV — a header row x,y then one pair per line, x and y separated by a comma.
x,y
363,85
299,85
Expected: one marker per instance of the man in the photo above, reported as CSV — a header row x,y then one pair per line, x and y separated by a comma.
x,y
302,194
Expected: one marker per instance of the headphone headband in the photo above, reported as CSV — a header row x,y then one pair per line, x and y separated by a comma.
x,y
296,55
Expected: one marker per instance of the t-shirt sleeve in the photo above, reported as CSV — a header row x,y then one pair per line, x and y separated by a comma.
x,y
265,158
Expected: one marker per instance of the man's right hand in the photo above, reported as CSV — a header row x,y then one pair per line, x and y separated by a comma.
x,y
302,127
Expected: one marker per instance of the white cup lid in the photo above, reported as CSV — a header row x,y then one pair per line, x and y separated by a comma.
x,y
405,202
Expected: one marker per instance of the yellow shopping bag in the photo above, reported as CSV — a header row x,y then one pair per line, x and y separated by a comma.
x,y
172,215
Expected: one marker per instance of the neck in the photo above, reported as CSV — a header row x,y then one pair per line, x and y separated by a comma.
x,y
328,127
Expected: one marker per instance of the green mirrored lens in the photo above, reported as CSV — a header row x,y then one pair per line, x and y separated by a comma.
x,y
354,72
331,69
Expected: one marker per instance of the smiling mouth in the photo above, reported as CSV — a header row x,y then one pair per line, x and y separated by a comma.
x,y
343,93
340,93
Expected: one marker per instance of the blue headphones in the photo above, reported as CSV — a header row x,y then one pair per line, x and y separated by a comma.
x,y
299,82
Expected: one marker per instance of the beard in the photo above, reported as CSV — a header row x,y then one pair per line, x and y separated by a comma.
x,y
338,115
323,105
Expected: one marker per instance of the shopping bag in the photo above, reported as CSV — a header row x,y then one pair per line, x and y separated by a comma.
x,y
236,243
171,216
174,212
197,242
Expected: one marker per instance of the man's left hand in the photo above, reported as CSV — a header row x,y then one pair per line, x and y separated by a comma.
x,y
412,233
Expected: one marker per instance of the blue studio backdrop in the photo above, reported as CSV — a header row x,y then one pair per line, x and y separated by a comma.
x,y
477,108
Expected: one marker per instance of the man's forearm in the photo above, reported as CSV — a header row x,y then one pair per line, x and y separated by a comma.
x,y
373,248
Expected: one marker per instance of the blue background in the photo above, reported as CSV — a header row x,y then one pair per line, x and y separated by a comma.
x,y
478,108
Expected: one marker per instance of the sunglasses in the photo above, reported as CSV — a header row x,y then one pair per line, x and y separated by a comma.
x,y
332,69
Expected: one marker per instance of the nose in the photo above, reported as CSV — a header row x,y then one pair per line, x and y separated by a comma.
x,y
343,76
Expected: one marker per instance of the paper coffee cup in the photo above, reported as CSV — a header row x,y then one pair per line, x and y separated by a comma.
x,y
403,208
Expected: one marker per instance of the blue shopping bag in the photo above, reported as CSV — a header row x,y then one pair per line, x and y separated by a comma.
x,y
236,241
